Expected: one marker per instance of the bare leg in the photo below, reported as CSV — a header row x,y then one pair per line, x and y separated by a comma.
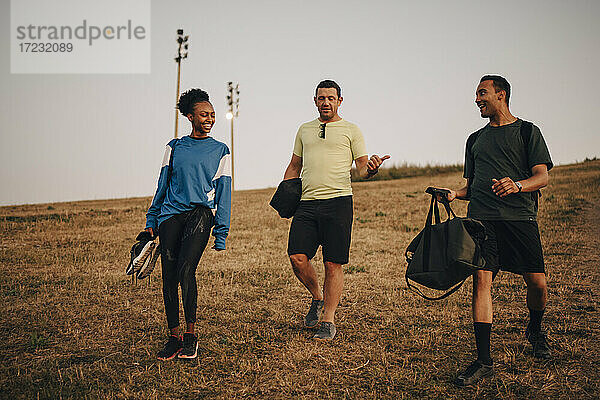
x,y
537,290
537,294
482,314
334,282
306,274
482,297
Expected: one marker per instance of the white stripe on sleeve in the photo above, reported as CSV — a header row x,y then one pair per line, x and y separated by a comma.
x,y
166,157
224,167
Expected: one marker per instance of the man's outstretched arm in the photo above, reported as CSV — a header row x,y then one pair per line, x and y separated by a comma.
x,y
369,167
294,168
460,194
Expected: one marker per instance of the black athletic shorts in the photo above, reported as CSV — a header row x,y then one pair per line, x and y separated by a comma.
x,y
513,246
322,222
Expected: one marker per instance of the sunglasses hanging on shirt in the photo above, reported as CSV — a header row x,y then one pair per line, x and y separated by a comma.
x,y
322,131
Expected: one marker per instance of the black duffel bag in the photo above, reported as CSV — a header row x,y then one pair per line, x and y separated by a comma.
x,y
444,254
287,197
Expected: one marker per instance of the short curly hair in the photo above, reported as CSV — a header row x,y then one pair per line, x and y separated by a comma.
x,y
328,83
500,83
187,100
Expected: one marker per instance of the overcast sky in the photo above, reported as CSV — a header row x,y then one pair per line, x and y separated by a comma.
x,y
408,72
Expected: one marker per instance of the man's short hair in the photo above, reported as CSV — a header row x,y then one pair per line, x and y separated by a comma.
x,y
187,100
500,83
328,83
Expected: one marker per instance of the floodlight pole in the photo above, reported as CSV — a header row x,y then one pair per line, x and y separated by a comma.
x,y
182,42
232,163
177,96
233,101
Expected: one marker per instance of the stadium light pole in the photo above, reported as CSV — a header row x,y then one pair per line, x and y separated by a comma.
x,y
233,101
182,52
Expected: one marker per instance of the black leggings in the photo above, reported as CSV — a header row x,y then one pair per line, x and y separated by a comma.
x,y
183,238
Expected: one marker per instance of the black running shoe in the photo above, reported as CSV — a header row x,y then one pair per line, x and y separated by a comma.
x,y
314,313
171,348
474,373
190,346
540,344
326,331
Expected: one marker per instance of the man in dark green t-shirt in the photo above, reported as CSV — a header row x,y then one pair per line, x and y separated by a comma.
x,y
506,163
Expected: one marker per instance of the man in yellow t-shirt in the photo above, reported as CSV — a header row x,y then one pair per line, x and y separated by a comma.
x,y
323,153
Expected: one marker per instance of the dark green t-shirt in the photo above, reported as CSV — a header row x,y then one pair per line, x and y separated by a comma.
x,y
498,152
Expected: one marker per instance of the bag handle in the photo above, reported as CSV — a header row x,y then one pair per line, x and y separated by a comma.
x,y
433,212
448,293
449,210
442,193
436,210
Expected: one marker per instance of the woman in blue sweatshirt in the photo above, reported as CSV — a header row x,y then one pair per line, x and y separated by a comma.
x,y
193,196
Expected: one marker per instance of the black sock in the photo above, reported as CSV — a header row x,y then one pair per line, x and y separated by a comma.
x,y
535,320
482,340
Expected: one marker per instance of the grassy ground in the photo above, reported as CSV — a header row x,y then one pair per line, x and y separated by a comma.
x,y
73,326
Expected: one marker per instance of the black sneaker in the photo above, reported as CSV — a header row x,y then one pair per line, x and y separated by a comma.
x,y
540,344
314,313
326,331
473,373
171,349
190,346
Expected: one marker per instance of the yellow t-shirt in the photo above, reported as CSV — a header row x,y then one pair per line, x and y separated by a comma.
x,y
326,162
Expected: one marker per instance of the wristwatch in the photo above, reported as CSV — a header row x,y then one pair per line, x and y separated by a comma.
x,y
518,184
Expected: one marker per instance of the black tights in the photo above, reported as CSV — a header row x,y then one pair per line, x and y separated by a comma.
x,y
183,238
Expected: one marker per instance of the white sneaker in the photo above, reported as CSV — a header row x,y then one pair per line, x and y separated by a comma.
x,y
148,266
139,252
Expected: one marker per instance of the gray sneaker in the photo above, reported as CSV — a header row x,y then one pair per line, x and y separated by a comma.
x,y
314,313
474,373
326,331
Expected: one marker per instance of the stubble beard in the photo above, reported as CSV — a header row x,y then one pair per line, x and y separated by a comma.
x,y
326,117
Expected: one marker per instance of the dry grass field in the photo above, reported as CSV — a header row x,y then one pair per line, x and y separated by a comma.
x,y
73,326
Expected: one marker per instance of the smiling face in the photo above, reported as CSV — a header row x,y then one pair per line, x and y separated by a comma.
x,y
327,102
202,118
489,101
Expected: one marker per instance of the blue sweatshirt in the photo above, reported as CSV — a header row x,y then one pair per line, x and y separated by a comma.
x,y
200,177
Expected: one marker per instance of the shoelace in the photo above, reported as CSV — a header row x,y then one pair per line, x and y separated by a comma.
x,y
471,369
188,340
314,306
538,336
